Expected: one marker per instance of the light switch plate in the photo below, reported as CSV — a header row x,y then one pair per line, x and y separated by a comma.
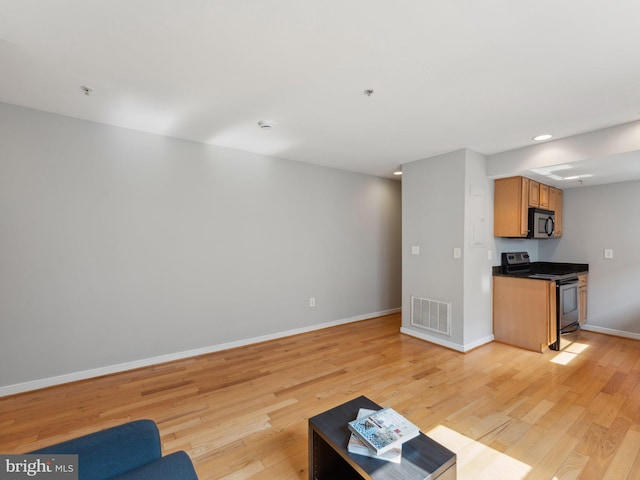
x,y
415,250
608,253
457,253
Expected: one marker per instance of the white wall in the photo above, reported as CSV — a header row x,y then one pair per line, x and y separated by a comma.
x,y
439,214
597,218
119,246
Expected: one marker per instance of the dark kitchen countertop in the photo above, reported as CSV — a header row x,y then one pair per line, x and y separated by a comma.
x,y
544,267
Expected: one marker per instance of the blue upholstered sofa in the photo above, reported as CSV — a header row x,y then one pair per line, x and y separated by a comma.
x,y
126,452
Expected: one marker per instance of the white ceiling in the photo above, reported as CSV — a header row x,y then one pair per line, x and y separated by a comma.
x,y
621,167
486,75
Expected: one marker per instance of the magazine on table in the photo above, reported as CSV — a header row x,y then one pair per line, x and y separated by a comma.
x,y
383,430
356,446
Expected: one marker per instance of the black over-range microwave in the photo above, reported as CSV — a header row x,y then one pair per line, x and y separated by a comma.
x,y
542,223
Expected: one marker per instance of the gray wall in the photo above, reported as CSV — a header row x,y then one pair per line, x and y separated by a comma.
x,y
440,209
478,242
516,245
433,196
118,246
597,218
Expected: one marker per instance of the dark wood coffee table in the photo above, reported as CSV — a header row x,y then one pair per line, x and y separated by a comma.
x,y
422,457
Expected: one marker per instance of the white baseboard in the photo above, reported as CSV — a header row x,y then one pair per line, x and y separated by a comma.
x,y
444,343
145,362
610,331
490,338
478,343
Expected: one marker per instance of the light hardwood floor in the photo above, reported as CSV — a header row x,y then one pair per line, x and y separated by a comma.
x,y
242,414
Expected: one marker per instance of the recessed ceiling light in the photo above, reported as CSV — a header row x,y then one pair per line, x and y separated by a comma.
x,y
545,136
398,172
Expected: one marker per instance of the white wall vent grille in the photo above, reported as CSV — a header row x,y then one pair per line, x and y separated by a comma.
x,y
431,315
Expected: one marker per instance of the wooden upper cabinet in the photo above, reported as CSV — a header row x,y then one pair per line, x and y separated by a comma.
x,y
534,194
524,207
510,207
544,196
514,196
538,195
555,204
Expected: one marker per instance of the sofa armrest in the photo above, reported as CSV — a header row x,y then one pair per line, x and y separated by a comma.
x,y
113,451
176,466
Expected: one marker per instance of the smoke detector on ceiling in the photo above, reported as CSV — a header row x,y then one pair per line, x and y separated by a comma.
x,y
87,90
265,125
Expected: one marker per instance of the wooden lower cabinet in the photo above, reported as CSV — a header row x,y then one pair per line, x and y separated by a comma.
x,y
582,295
524,312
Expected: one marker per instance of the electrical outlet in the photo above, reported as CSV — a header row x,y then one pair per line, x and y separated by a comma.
x,y
312,301
608,253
